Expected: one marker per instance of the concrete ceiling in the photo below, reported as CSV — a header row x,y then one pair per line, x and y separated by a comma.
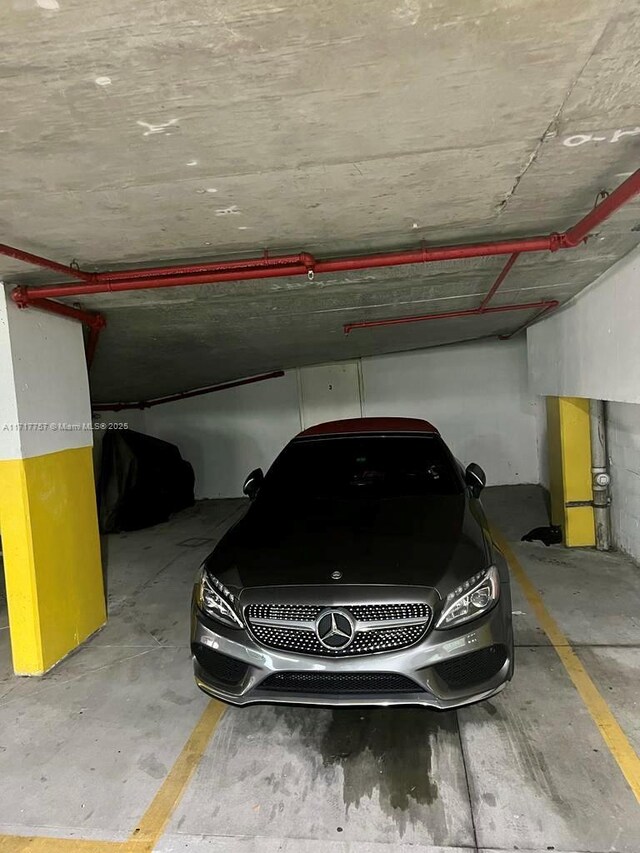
x,y
140,132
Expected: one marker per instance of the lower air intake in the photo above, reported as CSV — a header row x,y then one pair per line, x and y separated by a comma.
x,y
339,682
472,669
217,666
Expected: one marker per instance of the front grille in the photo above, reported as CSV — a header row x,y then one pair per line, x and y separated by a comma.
x,y
339,682
283,611
265,622
364,643
375,612
217,666
472,669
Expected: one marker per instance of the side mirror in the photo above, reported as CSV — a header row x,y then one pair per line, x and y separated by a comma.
x,y
475,478
252,483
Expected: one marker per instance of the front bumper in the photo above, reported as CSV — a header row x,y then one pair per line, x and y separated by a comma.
x,y
448,668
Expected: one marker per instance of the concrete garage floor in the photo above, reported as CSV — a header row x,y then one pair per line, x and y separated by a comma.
x,y
95,749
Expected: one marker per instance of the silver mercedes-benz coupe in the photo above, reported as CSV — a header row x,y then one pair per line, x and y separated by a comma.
x,y
362,573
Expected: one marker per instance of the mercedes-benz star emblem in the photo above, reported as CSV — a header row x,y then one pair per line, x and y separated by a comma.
x,y
335,629
335,576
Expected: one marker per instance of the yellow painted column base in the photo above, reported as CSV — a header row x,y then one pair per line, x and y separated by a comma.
x,y
569,443
51,545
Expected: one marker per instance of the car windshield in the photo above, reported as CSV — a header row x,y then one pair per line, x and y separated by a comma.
x,y
354,467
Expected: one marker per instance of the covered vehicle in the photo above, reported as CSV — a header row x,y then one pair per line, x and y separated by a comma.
x,y
143,480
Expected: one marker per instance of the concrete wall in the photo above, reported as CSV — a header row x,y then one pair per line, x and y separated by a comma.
x,y
623,437
227,434
591,348
476,394
541,441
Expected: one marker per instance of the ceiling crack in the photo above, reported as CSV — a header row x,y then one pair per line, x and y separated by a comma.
x,y
552,127
530,161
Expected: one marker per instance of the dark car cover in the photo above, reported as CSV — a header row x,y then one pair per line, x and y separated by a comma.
x,y
142,481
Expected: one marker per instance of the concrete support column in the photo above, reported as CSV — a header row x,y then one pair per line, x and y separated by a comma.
x,y
48,518
569,440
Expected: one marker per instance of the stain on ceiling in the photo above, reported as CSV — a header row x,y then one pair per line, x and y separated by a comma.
x,y
141,133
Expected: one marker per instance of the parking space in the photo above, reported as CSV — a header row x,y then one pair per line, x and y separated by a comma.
x,y
97,747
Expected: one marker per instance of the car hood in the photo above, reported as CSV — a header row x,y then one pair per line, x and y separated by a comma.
x,y
432,541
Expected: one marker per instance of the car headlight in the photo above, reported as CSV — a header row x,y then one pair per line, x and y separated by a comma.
x,y
215,600
471,599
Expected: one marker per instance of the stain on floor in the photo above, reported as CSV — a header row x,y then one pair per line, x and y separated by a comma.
x,y
382,750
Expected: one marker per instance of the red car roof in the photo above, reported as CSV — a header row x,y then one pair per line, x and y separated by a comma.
x,y
360,425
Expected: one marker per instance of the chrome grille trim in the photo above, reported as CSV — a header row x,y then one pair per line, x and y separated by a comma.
x,y
284,623
390,623
297,613
292,627
360,626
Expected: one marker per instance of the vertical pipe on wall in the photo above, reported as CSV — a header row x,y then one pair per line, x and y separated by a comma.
x,y
600,475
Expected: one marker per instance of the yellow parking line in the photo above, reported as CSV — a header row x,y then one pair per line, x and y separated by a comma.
x,y
616,740
43,844
153,822
156,817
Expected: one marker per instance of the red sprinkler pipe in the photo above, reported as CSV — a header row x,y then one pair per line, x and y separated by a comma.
x,y
612,202
431,254
89,318
492,292
469,312
547,304
176,277
24,296
256,268
569,239
303,259
184,395
39,261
